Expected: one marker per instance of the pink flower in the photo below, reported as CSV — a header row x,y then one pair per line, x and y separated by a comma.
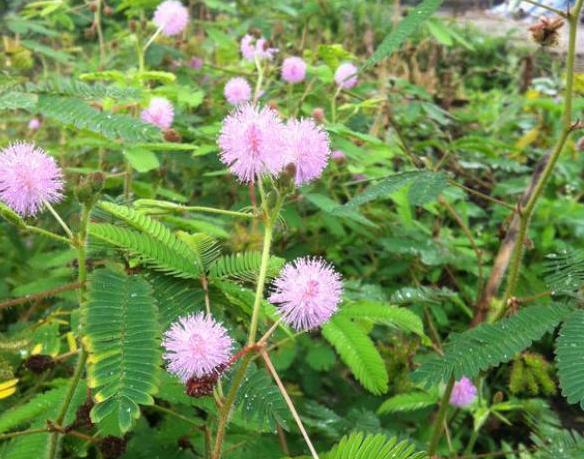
x,y
29,178
196,63
196,346
338,156
237,90
172,17
34,124
252,142
307,292
307,148
159,113
463,393
346,75
293,70
259,49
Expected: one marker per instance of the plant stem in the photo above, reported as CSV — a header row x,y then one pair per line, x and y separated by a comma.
x,y
440,416
97,21
289,402
546,7
253,328
82,359
48,234
128,182
59,219
227,404
211,210
151,39
258,87
225,409
527,212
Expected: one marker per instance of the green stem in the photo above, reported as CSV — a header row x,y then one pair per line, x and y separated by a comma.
x,y
228,403
471,442
527,212
258,87
128,182
49,234
269,217
59,219
253,328
82,278
211,210
440,416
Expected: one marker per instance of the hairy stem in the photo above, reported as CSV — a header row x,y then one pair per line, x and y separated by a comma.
x,y
440,417
59,219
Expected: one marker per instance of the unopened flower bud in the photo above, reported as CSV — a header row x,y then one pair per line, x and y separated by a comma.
x,y
318,114
545,31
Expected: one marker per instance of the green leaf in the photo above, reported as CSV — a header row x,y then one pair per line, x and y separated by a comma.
x,y
570,358
243,266
425,186
416,16
122,340
358,445
488,345
381,313
174,260
259,401
410,401
358,352
59,56
42,407
141,159
14,100
74,112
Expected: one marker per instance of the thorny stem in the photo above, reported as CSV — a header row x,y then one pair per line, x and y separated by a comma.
x,y
81,243
289,402
527,212
440,416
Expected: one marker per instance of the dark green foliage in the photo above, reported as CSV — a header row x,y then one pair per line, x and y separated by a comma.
x,y
570,357
488,345
121,335
361,446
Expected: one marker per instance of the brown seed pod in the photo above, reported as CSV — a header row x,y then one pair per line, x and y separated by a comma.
x,y
545,31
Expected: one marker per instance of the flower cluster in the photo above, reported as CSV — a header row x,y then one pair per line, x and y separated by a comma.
x,y
159,113
237,91
196,346
171,16
252,49
293,70
29,178
254,141
346,76
307,292
464,393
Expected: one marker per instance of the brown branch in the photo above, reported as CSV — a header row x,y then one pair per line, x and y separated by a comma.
x,y
506,249
41,295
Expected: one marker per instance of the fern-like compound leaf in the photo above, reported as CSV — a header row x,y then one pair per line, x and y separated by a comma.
x,y
488,345
358,445
162,257
122,339
570,357
243,266
358,352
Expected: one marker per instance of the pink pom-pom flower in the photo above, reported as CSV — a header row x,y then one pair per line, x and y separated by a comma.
x,y
34,124
307,292
293,70
307,148
252,141
237,90
338,156
172,17
196,63
196,346
464,393
159,113
29,178
252,48
346,76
